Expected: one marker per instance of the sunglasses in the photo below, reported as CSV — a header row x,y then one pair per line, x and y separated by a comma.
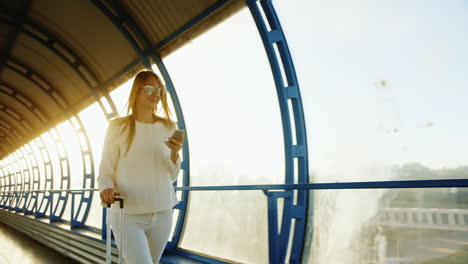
x,y
150,90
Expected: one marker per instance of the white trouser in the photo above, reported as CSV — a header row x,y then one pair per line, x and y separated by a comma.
x,y
144,236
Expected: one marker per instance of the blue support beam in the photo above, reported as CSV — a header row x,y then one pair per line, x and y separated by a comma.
x,y
19,179
276,241
17,183
28,207
26,178
288,92
88,178
64,161
2,184
8,185
41,209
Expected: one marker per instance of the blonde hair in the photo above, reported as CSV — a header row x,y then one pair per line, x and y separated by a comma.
x,y
127,123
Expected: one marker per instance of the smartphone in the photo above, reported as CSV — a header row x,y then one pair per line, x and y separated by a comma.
x,y
178,134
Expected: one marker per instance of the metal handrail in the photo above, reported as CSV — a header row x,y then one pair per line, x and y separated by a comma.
x,y
448,183
51,190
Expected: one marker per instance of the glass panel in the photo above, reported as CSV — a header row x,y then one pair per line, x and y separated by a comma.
x,y
21,175
28,174
29,152
3,183
231,225
96,125
426,226
6,180
175,215
40,175
382,84
72,146
226,89
51,147
12,181
16,178
120,97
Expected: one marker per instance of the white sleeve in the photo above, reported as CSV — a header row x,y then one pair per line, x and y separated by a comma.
x,y
109,158
174,169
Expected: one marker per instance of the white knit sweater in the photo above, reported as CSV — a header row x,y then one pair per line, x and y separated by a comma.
x,y
145,174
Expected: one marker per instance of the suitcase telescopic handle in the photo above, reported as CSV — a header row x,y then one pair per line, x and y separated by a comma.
x,y
121,201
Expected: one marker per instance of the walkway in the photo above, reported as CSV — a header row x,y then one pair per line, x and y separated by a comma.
x,y
17,248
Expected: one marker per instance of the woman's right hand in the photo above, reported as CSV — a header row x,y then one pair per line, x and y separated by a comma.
x,y
107,195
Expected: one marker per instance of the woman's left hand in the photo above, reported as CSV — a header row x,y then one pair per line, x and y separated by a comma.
x,y
174,144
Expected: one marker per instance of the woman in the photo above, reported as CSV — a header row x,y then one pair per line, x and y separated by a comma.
x,y
140,160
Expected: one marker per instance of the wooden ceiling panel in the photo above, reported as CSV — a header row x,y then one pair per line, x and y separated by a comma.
x,y
15,128
88,32
52,68
162,17
21,110
30,90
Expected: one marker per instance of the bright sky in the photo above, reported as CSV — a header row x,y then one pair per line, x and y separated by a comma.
x,y
342,48
342,51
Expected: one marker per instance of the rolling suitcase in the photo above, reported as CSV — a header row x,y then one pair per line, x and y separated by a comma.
x,y
108,224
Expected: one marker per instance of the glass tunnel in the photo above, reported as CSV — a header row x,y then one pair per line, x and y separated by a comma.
x,y
322,132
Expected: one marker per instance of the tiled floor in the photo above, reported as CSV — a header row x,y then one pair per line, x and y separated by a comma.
x,y
18,248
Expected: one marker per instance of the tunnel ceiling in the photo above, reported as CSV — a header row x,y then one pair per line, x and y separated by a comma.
x,y
58,56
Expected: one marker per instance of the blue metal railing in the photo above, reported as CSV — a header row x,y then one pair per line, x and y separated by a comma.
x,y
275,191
436,183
